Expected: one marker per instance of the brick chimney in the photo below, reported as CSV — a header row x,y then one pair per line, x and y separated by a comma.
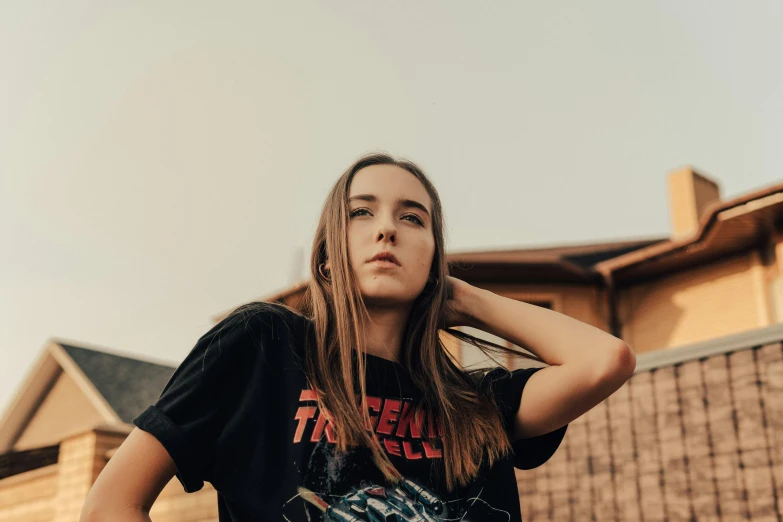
x,y
690,193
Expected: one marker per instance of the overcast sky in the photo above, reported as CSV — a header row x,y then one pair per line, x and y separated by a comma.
x,y
161,162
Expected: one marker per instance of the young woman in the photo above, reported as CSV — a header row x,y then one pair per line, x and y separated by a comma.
x,y
352,409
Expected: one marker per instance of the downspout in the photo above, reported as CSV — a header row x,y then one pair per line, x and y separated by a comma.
x,y
611,301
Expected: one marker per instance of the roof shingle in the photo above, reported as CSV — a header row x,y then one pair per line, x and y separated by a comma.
x,y
129,385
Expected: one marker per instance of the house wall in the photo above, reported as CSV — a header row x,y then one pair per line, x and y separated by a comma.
x,y
64,411
56,493
586,304
706,302
674,443
29,496
76,467
774,276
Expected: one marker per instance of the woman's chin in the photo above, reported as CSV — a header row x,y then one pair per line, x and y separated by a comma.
x,y
387,297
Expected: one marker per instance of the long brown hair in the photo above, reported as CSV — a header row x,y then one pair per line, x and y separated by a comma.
x,y
335,305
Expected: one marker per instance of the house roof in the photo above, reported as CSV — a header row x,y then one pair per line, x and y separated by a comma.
x,y
560,264
117,385
127,384
725,228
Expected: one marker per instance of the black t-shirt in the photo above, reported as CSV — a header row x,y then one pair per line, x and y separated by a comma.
x,y
238,412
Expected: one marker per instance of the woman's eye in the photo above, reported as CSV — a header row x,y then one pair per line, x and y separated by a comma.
x,y
416,219
363,211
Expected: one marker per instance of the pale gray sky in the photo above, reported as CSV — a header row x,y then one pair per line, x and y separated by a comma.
x,y
161,162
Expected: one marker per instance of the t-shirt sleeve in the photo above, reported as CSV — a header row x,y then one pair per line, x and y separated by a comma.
x,y
203,393
507,387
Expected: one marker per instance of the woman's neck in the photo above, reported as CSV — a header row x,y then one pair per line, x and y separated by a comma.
x,y
383,333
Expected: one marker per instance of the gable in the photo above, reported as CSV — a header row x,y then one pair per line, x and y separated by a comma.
x,y
64,410
72,388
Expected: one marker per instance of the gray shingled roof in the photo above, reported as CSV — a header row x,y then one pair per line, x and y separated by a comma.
x,y
129,385
590,259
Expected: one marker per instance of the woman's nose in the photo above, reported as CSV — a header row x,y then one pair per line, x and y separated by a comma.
x,y
386,231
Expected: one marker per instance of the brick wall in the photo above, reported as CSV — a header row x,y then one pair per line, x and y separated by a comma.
x,y
700,440
75,476
28,496
56,493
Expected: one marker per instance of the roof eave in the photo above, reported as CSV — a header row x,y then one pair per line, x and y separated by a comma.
x,y
717,213
51,362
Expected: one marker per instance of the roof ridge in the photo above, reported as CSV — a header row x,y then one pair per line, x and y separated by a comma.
x,y
122,355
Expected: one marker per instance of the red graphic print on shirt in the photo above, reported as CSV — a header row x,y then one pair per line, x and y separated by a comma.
x,y
401,430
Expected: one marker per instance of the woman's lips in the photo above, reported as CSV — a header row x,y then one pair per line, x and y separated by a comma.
x,y
385,256
385,263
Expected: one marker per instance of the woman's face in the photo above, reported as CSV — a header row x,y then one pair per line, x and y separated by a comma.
x,y
389,211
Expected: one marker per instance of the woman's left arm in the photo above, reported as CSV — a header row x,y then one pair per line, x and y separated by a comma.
x,y
587,364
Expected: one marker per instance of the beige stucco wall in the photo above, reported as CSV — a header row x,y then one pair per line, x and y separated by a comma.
x,y
706,302
586,304
64,411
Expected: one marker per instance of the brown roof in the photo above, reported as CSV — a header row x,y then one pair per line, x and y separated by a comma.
x,y
726,228
562,264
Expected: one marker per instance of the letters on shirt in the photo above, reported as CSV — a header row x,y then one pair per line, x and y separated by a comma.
x,y
393,422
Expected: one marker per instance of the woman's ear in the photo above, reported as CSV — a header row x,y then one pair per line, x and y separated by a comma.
x,y
323,269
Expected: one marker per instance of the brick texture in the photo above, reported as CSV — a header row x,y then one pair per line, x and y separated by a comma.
x,y
702,440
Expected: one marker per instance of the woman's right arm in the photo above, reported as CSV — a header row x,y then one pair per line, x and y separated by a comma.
x,y
131,481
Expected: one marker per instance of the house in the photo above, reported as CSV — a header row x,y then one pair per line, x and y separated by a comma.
x,y
74,407
695,434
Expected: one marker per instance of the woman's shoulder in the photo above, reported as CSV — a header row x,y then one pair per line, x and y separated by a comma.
x,y
271,329
265,314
